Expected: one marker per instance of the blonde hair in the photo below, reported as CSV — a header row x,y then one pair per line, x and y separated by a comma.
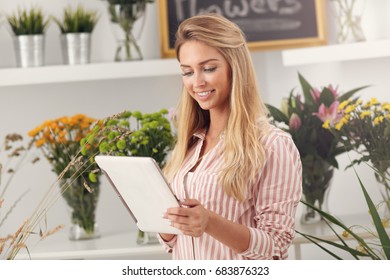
x,y
247,123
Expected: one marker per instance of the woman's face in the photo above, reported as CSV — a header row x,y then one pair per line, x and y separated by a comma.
x,y
206,75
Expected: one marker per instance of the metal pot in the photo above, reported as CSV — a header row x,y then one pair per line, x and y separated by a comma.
x,y
29,50
76,48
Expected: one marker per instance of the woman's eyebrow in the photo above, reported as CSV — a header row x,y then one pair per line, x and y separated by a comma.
x,y
201,63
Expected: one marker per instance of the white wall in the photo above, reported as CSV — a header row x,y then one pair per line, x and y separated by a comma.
x,y
24,107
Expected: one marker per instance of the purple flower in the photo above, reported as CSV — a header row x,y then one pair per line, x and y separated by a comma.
x,y
295,121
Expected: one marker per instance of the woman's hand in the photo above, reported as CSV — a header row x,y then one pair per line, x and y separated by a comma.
x,y
192,218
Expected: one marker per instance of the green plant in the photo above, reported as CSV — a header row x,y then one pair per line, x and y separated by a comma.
x,y
377,249
77,20
28,22
129,134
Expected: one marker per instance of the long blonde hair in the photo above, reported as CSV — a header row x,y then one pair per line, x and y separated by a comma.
x,y
247,123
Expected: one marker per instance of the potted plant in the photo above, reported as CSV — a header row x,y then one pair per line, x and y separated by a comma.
x,y
76,27
29,28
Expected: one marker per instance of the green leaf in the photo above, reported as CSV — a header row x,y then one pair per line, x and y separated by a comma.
x,y
326,97
306,89
335,244
383,236
278,115
350,93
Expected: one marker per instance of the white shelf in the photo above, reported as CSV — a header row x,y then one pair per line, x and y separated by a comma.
x,y
335,53
111,245
88,72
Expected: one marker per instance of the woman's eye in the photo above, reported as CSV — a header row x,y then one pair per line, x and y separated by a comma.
x,y
211,69
187,73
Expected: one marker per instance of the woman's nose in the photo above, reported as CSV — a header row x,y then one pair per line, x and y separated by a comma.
x,y
199,80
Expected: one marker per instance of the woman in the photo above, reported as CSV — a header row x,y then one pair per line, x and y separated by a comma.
x,y
238,178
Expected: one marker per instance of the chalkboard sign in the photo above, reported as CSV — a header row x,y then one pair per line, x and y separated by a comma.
x,y
267,24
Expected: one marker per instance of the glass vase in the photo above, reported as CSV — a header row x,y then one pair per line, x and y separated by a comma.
x,y
349,15
82,203
144,238
123,17
382,176
317,175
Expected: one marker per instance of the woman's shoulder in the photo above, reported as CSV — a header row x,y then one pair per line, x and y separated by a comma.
x,y
275,136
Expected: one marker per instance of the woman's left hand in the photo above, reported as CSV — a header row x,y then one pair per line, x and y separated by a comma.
x,y
192,218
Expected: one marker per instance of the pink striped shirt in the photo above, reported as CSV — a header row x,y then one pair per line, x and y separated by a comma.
x,y
268,209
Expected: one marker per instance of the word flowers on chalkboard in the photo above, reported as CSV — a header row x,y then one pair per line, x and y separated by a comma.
x,y
266,23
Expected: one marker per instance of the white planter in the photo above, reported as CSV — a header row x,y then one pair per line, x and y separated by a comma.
x,y
29,50
76,48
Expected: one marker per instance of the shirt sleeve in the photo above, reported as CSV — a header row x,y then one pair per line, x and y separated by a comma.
x,y
276,197
168,245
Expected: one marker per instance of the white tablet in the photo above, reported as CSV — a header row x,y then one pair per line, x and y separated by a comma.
x,y
142,188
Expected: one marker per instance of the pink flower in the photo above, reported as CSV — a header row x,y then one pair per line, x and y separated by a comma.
x,y
295,122
315,93
328,114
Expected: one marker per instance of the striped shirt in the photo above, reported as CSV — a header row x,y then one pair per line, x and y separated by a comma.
x,y
268,209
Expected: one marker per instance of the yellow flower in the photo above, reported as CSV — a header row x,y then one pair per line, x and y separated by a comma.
x,y
326,124
350,108
378,120
374,101
365,114
346,118
339,125
343,104
386,106
345,234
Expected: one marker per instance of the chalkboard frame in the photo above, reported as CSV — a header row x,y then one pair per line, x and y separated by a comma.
x,y
302,41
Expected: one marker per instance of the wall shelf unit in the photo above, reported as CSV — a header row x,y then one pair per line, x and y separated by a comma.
x,y
88,72
337,53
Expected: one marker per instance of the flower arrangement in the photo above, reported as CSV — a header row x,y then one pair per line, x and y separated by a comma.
x,y
77,20
302,115
365,128
59,141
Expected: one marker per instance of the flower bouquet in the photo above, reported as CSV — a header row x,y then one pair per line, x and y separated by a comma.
x,y
365,128
302,117
129,134
59,141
